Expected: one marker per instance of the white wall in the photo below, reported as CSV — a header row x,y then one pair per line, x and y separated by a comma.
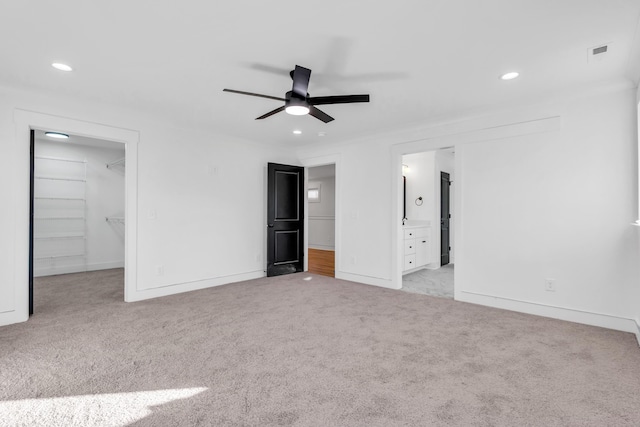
x,y
104,197
322,227
206,192
545,191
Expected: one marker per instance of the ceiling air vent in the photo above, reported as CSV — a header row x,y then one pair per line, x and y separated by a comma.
x,y
599,50
598,53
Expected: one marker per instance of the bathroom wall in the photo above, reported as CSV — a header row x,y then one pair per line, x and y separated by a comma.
x,y
420,183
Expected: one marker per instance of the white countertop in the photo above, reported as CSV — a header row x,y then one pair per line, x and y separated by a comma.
x,y
414,223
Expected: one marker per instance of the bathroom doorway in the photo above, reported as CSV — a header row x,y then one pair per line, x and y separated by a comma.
x,y
428,259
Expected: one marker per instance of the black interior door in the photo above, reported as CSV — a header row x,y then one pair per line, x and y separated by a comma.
x,y
445,218
285,215
32,161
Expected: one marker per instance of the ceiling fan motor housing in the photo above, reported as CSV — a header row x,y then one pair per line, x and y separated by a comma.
x,y
294,100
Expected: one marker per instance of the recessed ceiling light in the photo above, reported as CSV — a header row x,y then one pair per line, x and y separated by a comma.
x,y
62,67
297,132
57,135
510,76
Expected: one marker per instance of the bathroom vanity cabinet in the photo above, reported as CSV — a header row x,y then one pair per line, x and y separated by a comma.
x,y
417,247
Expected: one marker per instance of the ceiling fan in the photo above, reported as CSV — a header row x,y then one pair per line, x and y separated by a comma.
x,y
298,102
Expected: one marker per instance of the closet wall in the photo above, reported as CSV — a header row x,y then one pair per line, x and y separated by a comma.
x,y
78,207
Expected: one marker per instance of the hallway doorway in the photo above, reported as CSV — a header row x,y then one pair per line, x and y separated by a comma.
x,y
321,198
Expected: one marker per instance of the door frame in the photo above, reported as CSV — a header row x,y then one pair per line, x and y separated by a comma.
x,y
322,161
25,121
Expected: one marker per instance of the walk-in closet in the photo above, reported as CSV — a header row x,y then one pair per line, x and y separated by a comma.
x,y
78,205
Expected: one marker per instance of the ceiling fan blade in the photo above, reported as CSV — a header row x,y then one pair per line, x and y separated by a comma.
x,y
271,113
340,99
253,94
320,115
301,77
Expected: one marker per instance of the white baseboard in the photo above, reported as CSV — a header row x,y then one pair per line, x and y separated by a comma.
x,y
177,288
79,268
568,314
105,265
367,280
637,332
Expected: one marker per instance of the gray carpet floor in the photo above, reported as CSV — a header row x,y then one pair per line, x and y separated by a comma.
x,y
304,350
437,283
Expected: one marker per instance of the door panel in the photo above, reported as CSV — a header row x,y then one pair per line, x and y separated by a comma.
x,y
285,215
445,217
286,196
286,250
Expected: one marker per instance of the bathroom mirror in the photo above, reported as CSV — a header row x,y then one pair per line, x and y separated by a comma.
x,y
404,199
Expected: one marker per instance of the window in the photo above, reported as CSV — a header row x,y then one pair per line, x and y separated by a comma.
x,y
313,193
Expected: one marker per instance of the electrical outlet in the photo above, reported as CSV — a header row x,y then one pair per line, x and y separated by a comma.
x,y
550,285
153,214
159,270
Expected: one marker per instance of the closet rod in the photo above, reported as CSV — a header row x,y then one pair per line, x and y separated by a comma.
x,y
116,162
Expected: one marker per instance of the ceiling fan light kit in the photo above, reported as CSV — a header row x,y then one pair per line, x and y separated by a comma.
x,y
295,106
297,101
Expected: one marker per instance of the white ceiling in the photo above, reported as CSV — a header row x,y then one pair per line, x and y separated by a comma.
x,y
319,172
420,61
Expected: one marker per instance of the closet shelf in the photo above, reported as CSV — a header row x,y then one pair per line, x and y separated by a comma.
x,y
60,159
60,215
78,199
60,179
46,218
59,237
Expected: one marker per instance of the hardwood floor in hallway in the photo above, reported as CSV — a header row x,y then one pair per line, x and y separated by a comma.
x,y
322,262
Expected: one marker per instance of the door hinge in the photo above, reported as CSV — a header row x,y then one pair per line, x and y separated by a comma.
x,y
449,215
449,247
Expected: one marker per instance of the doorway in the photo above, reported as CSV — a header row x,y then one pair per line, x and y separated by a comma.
x,y
321,198
77,211
428,254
